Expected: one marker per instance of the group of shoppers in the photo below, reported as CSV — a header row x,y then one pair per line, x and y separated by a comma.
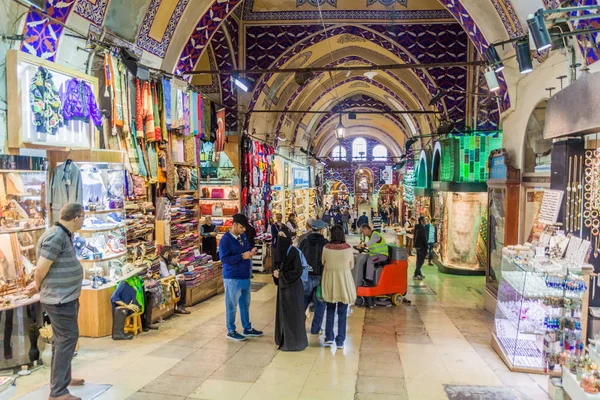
x,y
389,214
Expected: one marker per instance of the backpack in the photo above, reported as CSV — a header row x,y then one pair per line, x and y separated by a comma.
x,y
305,268
314,253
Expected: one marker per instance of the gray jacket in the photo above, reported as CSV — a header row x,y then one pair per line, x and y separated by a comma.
x,y
65,187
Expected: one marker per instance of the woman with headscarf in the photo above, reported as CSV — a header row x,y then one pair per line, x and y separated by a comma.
x,y
290,319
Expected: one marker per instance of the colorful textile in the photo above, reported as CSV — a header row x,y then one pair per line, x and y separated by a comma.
x,y
45,102
148,112
166,92
207,119
202,128
124,97
194,112
180,117
220,143
186,113
113,86
79,102
156,115
162,112
152,162
139,110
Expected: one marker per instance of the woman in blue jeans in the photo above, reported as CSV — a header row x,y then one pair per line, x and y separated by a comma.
x,y
337,285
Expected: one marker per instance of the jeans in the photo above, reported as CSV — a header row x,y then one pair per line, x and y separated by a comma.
x,y
237,291
345,225
311,295
342,313
421,254
65,330
431,246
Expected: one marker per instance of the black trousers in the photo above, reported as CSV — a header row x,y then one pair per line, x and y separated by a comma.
x,y
182,299
421,254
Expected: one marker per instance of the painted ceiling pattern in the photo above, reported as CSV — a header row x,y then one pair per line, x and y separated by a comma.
x,y
92,10
215,86
316,3
223,55
202,33
41,33
587,43
151,45
303,15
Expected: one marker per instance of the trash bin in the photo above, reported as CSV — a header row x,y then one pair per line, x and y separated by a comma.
x,y
397,253
593,322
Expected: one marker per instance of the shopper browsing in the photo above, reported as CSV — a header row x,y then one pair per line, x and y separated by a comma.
x,y
290,331
169,267
236,257
312,248
208,231
337,285
420,243
58,276
292,225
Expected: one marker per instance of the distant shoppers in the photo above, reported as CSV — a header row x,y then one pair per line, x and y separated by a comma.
x,y
169,267
338,218
290,319
337,286
420,243
58,276
209,238
377,223
292,225
345,220
312,248
236,257
431,238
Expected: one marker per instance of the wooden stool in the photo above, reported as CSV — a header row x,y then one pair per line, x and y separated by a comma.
x,y
133,323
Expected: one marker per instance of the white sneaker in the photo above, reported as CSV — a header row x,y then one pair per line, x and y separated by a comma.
x,y
328,343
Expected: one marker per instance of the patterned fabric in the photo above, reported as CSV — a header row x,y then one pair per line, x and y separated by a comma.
x,y
124,97
166,85
148,112
79,102
152,162
189,144
170,171
207,120
156,114
162,111
45,102
186,113
139,110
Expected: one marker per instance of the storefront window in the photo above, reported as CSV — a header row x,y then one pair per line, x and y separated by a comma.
x,y
380,153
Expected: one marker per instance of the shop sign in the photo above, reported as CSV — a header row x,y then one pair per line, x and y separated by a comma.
x,y
498,167
386,175
300,178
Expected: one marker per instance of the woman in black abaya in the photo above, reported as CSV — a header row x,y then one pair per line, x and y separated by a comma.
x,y
290,330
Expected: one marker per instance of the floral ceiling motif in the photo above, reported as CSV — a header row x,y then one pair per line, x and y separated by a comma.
x,y
316,3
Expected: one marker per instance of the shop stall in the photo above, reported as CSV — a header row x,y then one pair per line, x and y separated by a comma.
x,y
336,192
23,219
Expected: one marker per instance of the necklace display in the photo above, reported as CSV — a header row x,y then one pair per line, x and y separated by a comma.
x,y
591,197
573,205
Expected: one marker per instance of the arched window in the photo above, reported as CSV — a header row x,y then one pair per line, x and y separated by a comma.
x,y
359,149
338,153
380,153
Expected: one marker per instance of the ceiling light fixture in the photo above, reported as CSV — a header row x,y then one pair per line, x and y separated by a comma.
x,y
370,74
494,59
409,144
524,56
340,130
243,83
282,136
492,81
441,93
539,31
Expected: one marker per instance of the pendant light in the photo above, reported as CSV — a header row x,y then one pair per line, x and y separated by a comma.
x,y
492,81
539,31
524,56
340,130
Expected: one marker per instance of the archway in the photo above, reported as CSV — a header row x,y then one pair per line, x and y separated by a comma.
x,y
336,192
435,163
363,186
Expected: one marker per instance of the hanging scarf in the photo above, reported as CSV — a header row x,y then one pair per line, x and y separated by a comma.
x,y
166,92
160,91
202,127
139,110
124,96
155,113
138,285
207,119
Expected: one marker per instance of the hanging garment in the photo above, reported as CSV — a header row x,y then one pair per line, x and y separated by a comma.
x,y
213,122
45,103
174,105
186,113
202,126
220,134
113,86
152,162
157,132
148,112
180,112
207,120
166,91
124,97
199,114
65,187
194,113
136,158
79,102
191,111
139,110
170,170
189,144
162,166
162,112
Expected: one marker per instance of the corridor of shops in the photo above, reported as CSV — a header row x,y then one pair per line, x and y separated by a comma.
x,y
421,175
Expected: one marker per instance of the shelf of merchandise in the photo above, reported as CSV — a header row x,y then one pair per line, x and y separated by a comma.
x,y
120,226
191,222
105,211
312,203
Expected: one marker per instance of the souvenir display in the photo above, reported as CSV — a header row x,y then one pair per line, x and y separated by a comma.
x,y
258,171
591,197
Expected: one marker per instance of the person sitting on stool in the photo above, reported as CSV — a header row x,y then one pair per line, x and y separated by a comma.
x,y
167,268
378,250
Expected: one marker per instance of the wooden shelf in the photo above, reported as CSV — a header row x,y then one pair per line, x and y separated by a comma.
x,y
217,199
114,256
182,221
103,230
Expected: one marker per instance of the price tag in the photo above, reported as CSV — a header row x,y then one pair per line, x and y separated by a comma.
x,y
190,268
196,253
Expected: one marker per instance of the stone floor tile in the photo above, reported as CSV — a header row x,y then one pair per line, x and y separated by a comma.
x,y
380,385
213,389
194,369
309,394
172,385
170,351
252,359
384,369
153,396
328,381
231,371
261,391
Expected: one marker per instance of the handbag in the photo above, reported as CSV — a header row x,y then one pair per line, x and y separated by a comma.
x,y
233,195
230,211
229,222
217,194
227,171
206,209
218,210
205,193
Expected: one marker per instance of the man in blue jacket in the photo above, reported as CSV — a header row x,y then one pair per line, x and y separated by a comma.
x,y
236,257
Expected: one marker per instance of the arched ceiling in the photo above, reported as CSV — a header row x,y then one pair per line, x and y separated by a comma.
x,y
187,35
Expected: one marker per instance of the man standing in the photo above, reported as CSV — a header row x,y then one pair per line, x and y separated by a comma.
x,y
345,220
431,238
58,276
420,243
312,248
378,250
236,256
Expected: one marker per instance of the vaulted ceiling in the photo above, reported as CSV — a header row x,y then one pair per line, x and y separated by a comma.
x,y
220,35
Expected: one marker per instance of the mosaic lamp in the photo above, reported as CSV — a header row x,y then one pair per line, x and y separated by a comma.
x,y
340,130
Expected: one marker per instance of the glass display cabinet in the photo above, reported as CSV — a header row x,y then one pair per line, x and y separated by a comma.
x,y
23,220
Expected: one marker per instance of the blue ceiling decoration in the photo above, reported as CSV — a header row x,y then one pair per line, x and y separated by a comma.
x,y
388,3
224,61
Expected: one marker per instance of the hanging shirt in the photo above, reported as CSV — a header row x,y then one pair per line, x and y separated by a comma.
x,y
65,187
93,186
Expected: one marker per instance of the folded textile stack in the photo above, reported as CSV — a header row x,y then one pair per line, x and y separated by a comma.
x,y
265,237
200,275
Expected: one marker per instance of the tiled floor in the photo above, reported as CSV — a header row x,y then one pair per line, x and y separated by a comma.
x,y
406,352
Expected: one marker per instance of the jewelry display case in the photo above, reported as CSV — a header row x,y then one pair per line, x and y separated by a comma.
x,y
538,314
23,220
